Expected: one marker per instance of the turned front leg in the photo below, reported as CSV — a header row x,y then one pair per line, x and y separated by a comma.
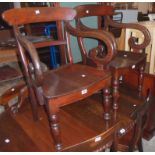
x,y
55,130
54,125
141,79
106,103
115,90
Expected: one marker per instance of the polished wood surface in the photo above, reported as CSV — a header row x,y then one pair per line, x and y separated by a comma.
x,y
91,10
80,77
37,14
19,91
78,123
125,59
133,139
148,83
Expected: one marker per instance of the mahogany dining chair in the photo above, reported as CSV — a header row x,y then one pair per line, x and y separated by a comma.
x,y
67,84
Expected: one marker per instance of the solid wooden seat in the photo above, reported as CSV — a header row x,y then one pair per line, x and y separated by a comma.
x,y
76,78
67,84
126,59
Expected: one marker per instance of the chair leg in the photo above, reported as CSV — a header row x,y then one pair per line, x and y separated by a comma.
x,y
54,125
22,95
114,147
55,129
140,145
106,103
33,104
140,80
115,90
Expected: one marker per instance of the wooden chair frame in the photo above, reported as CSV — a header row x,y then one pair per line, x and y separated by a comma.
x,y
123,61
108,11
39,85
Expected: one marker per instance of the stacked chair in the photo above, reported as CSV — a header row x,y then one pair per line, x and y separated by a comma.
x,y
123,62
74,82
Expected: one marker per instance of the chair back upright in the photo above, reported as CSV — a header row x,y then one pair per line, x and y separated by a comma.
x,y
93,10
28,55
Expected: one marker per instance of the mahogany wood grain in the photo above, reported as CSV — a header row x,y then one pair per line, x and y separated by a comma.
x,y
9,136
72,119
37,14
93,10
49,43
130,79
14,92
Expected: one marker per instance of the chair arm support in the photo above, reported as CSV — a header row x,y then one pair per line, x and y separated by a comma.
x,y
100,35
132,43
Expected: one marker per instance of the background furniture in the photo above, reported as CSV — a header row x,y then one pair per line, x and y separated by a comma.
x,y
149,83
11,75
142,17
123,60
133,139
149,49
